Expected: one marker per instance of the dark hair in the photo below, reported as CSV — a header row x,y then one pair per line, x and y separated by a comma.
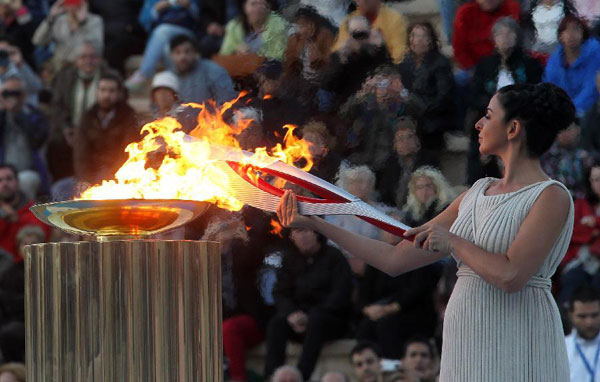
x,y
573,19
585,294
12,168
310,14
418,340
590,195
182,39
435,40
364,345
111,75
543,109
272,6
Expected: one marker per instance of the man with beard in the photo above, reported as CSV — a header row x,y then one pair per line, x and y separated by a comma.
x,y
14,211
105,130
583,344
200,80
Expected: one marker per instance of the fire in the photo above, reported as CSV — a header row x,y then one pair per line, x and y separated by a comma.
x,y
169,164
277,228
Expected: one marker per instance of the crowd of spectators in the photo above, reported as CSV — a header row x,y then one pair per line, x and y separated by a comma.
x,y
376,97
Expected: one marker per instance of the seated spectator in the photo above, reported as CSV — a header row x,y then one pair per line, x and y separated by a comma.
x,y
582,342
372,114
417,362
582,260
14,212
396,308
123,34
13,65
366,361
164,94
163,20
540,25
566,161
17,25
321,144
112,120
390,23
589,127
307,52
332,376
574,65
258,33
472,38
200,80
508,65
30,234
393,178
23,131
363,52
427,75
68,24
73,92
214,15
360,182
310,304
244,313
13,372
287,374
428,194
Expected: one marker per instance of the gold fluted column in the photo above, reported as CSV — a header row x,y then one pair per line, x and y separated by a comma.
x,y
131,311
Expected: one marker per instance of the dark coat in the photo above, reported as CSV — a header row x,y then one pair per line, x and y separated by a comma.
x,y
590,129
306,283
433,84
99,152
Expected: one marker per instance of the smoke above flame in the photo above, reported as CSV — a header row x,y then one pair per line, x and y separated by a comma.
x,y
167,163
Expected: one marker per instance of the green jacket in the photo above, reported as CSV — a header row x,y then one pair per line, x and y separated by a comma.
x,y
274,37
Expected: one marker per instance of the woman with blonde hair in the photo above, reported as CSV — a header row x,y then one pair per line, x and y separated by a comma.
x,y
428,194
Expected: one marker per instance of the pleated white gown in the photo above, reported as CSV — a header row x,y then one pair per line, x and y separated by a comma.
x,y
490,335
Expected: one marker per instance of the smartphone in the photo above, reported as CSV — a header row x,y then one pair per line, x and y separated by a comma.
x,y
388,365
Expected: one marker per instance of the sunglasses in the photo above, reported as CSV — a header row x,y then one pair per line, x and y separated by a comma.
x,y
360,35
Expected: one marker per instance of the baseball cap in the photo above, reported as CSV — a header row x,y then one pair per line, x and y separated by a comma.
x,y
167,80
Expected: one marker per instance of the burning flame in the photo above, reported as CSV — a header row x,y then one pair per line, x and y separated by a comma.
x,y
168,164
277,228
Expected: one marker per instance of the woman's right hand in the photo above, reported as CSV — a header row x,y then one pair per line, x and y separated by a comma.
x,y
288,214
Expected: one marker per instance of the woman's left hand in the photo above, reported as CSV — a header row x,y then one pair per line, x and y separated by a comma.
x,y
434,237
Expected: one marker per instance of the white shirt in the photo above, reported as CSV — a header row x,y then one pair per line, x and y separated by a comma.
x,y
546,22
579,372
505,78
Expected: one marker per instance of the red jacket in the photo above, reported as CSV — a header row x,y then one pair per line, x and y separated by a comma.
x,y
582,234
8,231
471,38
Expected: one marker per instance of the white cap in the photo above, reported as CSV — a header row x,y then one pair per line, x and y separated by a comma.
x,y
167,80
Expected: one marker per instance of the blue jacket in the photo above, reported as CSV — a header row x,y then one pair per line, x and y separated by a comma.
x,y
578,79
177,15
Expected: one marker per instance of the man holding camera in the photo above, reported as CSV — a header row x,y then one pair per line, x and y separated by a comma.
x,y
12,64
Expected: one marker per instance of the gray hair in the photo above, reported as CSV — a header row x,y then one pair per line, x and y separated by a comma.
x,y
277,374
510,23
348,174
88,42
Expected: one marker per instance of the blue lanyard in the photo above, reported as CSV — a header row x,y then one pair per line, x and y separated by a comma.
x,y
586,363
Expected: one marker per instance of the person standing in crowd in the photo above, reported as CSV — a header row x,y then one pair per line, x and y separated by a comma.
x,y
390,23
427,75
507,235
540,25
393,179
472,38
13,64
14,211
69,24
581,264
567,162
110,119
428,194
350,65
18,25
163,20
366,361
574,65
396,308
73,92
310,304
508,65
23,131
200,80
583,343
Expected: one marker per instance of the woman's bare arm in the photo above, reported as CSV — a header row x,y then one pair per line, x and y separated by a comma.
x,y
392,260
